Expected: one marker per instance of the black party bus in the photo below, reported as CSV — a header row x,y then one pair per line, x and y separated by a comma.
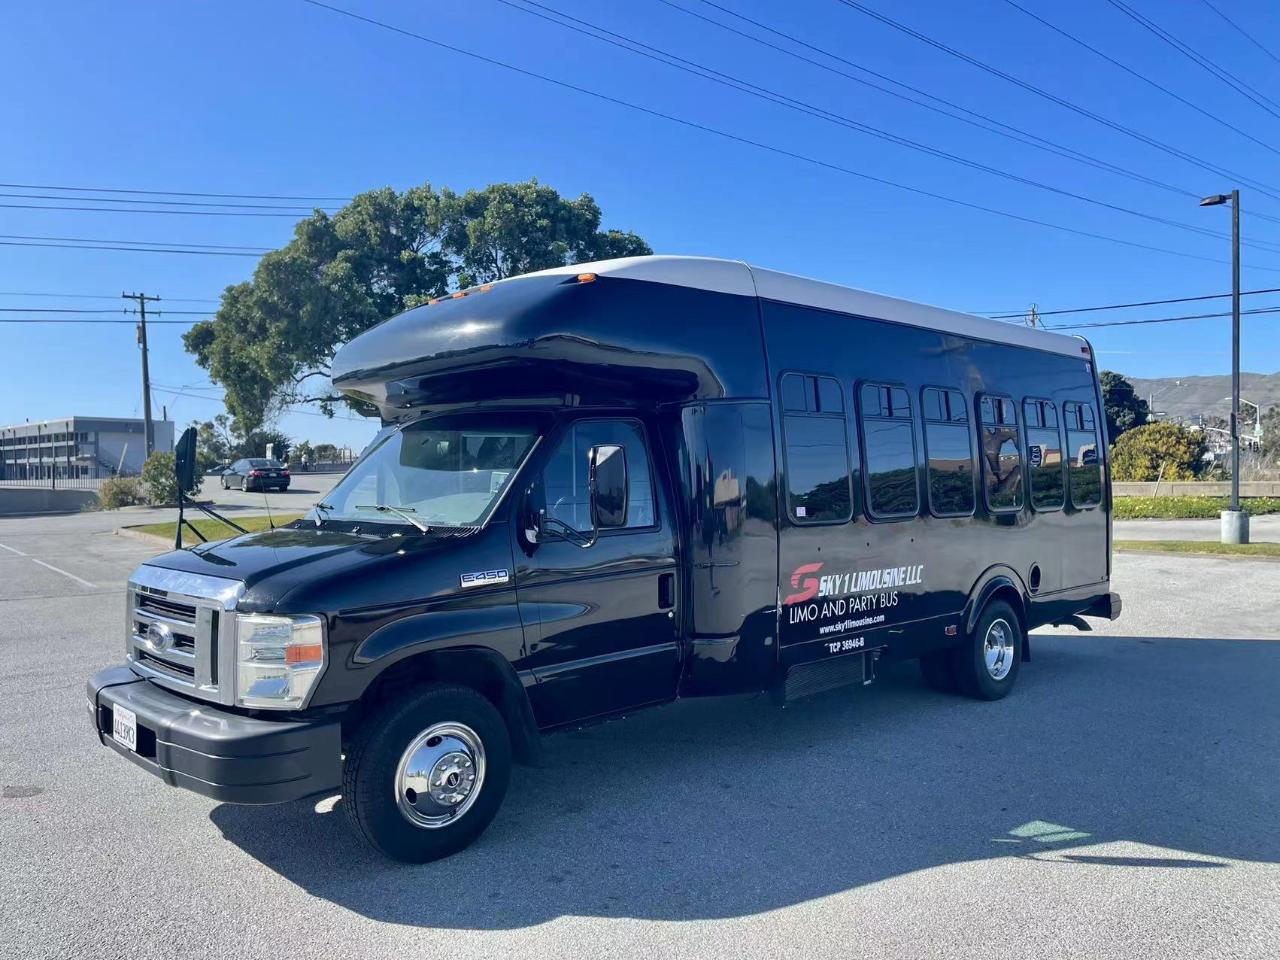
x,y
608,486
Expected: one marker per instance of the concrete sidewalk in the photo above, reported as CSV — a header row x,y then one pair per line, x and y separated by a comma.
x,y
1261,529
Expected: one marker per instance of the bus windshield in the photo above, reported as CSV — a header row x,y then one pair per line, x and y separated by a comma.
x,y
428,475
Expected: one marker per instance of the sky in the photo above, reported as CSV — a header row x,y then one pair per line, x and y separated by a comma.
x,y
287,98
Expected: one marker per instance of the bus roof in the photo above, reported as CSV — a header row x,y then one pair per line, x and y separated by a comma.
x,y
738,277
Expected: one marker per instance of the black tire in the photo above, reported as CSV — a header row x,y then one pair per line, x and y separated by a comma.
x,y
225,485
974,678
938,671
370,793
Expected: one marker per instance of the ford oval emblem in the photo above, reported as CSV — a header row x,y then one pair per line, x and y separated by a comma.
x,y
159,637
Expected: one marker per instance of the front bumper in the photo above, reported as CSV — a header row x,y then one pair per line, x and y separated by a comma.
x,y
217,753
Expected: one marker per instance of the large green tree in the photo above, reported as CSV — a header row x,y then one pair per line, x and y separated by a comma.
x,y
1123,408
273,336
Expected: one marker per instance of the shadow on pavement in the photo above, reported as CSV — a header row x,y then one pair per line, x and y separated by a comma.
x,y
722,808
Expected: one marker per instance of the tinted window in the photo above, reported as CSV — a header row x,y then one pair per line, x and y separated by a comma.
x,y
888,441
1044,454
816,446
564,479
1001,455
1083,464
949,452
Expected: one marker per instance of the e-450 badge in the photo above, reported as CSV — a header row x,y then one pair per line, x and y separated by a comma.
x,y
485,578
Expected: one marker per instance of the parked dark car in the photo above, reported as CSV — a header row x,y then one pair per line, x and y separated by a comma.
x,y
256,473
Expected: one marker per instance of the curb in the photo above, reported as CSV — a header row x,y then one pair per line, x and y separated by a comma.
x,y
145,537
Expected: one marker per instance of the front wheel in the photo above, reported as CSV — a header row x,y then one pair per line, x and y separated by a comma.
x,y
986,666
427,772
225,485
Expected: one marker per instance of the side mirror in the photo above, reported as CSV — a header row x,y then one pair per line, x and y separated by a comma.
x,y
607,476
184,461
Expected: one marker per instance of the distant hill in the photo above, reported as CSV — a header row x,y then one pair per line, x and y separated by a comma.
x,y
1190,397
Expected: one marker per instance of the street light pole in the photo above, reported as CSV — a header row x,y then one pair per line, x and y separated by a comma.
x,y
1235,522
1235,353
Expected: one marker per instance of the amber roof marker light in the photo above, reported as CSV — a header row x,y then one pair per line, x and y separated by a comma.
x,y
586,277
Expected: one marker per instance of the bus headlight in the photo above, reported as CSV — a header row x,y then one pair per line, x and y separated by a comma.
x,y
278,659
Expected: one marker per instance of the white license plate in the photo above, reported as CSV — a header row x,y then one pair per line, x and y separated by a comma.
x,y
124,727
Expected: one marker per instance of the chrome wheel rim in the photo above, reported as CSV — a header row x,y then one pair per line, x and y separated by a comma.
x,y
440,775
997,649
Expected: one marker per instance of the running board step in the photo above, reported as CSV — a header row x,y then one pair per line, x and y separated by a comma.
x,y
818,676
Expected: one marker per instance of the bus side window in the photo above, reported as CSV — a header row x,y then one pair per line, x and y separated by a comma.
x,y
948,449
1001,454
888,451
815,444
1083,464
1044,454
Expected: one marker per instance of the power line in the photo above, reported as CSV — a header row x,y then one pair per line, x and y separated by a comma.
x,y
99,296
639,48
972,117
56,310
176,213
83,310
131,323
1133,323
1243,32
1141,76
165,203
149,243
1220,73
1011,315
91,246
1054,98
292,407
168,193
779,151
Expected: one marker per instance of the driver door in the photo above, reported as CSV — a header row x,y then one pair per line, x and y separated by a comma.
x,y
600,620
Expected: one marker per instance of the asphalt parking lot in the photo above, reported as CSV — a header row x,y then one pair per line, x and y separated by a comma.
x,y
1122,803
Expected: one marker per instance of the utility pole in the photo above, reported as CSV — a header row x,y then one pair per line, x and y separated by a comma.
x,y
143,300
1032,318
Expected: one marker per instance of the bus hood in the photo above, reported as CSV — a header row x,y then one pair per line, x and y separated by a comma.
x,y
307,569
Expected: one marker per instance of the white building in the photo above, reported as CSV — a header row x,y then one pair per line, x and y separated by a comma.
x,y
79,447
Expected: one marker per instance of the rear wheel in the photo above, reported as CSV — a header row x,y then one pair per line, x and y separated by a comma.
x,y
427,772
987,665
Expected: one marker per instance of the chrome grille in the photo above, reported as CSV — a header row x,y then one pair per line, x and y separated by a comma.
x,y
179,632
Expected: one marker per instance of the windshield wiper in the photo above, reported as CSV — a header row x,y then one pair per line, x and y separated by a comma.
x,y
323,508
404,512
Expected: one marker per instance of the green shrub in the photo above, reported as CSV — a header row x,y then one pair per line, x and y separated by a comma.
x,y
159,479
1144,452
1187,508
120,492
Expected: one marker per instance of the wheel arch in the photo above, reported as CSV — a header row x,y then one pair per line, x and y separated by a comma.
x,y
483,669
1004,583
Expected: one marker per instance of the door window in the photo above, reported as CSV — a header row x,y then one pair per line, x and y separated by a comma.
x,y
564,479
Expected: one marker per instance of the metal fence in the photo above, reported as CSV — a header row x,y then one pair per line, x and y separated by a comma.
x,y
53,483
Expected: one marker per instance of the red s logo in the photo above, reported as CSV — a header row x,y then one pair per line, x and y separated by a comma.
x,y
809,590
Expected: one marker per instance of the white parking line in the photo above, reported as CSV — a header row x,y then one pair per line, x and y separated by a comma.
x,y
50,566
12,550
